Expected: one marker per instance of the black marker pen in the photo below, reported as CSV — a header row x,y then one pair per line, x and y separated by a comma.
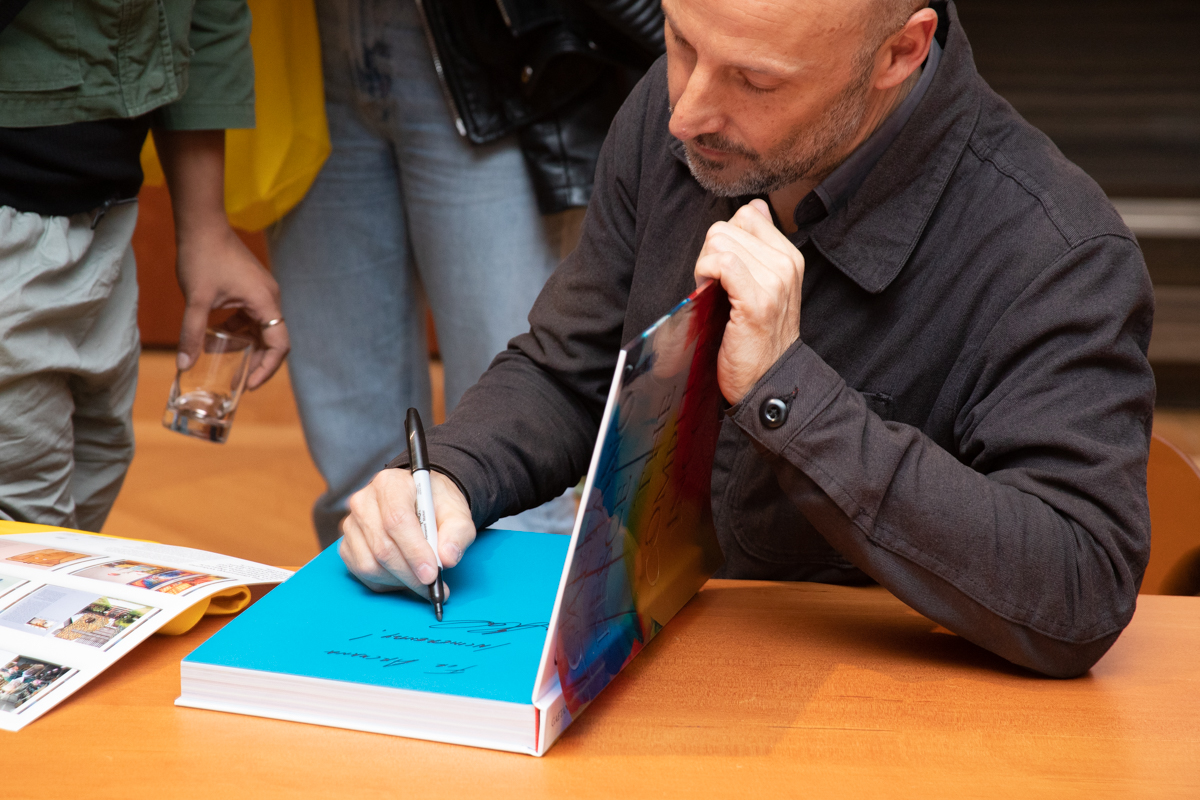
x,y
419,464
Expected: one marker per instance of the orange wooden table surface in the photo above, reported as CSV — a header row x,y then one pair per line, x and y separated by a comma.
x,y
755,690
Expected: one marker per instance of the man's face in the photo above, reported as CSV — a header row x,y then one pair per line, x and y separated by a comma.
x,y
765,93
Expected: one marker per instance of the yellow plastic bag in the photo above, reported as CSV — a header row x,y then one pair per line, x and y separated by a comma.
x,y
268,169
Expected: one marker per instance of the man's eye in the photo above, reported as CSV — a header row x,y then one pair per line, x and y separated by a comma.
x,y
756,89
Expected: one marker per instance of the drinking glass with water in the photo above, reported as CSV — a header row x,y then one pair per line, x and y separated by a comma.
x,y
205,395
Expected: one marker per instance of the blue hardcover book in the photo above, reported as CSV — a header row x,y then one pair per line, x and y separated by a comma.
x,y
325,649
536,625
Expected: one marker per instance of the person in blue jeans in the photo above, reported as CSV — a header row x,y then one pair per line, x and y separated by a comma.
x,y
405,211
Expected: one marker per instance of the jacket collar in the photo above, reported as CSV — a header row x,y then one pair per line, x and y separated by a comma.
x,y
872,236
840,184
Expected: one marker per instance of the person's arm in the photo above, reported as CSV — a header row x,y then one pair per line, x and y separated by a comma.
x,y
1031,537
525,431
214,267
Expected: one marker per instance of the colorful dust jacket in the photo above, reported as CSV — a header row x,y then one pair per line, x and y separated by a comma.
x,y
642,546
644,541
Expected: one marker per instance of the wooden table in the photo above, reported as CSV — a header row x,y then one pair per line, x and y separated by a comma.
x,y
755,690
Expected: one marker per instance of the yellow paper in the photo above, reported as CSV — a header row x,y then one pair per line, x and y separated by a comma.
x,y
229,601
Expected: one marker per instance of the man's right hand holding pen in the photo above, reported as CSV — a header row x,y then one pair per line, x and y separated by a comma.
x,y
382,543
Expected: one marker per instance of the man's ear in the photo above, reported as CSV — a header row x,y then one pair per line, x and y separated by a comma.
x,y
905,51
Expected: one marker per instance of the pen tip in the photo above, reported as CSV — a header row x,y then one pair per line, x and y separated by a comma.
x,y
437,610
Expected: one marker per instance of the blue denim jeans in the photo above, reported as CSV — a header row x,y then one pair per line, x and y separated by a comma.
x,y
404,211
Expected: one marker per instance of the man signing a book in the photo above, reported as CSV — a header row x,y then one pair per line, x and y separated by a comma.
x,y
935,362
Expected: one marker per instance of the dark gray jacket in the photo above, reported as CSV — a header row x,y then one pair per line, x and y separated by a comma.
x,y
969,402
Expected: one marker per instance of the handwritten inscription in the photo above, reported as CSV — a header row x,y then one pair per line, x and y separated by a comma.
x,y
387,661
384,661
486,628
404,637
477,627
480,627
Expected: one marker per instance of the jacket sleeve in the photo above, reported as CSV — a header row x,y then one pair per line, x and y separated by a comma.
x,y
220,71
1032,536
526,430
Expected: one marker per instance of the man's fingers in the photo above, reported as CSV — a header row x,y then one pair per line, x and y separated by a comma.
x,y
456,527
728,269
760,205
366,511
744,277
363,560
785,263
256,357
763,274
360,561
455,535
382,540
755,218
396,502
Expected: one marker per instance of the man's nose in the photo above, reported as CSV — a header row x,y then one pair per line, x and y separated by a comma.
x,y
698,109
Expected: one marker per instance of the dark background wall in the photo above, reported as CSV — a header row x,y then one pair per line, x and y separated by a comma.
x,y
1115,83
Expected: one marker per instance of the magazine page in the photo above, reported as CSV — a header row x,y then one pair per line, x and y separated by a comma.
x,y
72,604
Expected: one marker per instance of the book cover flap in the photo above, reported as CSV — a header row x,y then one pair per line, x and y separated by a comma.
x,y
644,541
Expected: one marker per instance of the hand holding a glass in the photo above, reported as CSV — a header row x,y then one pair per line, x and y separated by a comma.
x,y
229,276
215,271
205,395
216,364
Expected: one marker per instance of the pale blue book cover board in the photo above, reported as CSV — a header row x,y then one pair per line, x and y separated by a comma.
x,y
323,623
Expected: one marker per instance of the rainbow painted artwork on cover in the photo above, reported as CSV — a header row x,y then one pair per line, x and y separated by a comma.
x,y
644,542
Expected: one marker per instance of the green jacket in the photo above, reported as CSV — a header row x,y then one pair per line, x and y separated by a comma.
x,y
189,61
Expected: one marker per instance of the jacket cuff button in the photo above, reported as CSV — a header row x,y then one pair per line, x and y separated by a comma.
x,y
773,412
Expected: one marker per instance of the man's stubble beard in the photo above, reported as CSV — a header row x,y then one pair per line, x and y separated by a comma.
x,y
809,153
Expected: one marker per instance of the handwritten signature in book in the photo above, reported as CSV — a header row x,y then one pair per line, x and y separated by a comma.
x,y
404,637
486,628
473,626
386,661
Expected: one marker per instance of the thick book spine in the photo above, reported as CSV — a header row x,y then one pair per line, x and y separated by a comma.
x,y
552,717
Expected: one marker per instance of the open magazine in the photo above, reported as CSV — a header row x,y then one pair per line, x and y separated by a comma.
x,y
71,604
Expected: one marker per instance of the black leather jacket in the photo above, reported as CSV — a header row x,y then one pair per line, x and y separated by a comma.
x,y
554,72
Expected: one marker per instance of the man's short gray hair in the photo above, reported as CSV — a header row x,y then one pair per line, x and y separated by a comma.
x,y
890,17
892,14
